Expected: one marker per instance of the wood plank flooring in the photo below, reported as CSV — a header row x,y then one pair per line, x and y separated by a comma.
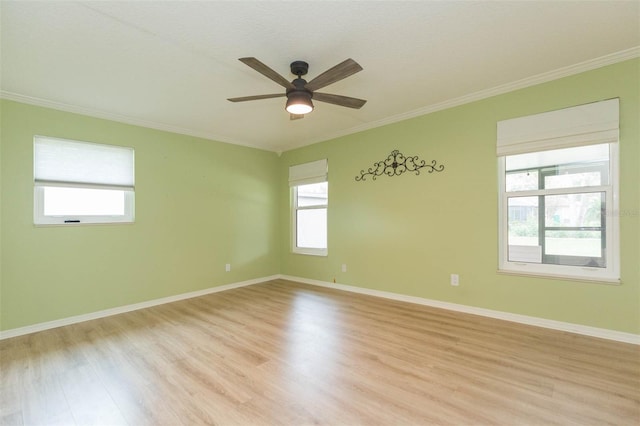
x,y
282,353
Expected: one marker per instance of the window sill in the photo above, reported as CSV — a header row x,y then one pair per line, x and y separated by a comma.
x,y
318,253
594,280
74,224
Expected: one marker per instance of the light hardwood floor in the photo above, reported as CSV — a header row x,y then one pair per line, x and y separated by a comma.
x,y
283,353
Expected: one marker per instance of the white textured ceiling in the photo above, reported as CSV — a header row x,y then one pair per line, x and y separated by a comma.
x,y
172,64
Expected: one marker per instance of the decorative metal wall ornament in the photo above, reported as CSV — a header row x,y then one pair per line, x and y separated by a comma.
x,y
396,164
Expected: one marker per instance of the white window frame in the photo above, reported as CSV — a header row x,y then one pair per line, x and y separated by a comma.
x,y
595,123
40,185
294,233
304,174
610,273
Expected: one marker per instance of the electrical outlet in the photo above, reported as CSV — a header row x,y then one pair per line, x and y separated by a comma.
x,y
344,267
227,267
455,279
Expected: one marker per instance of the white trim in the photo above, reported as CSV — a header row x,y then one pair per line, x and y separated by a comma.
x,y
602,333
610,274
592,64
578,68
557,191
294,226
310,251
40,219
554,276
15,332
90,112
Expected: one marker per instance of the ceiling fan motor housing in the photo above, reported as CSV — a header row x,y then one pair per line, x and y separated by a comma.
x,y
298,86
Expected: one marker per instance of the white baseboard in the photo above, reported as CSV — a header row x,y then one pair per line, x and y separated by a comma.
x,y
128,308
602,333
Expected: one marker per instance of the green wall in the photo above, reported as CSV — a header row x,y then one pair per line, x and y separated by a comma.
x,y
407,234
199,204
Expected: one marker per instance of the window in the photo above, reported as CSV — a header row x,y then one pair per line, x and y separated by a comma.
x,y
310,196
557,206
81,182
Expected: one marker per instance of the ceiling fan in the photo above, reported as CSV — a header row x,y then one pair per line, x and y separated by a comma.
x,y
300,92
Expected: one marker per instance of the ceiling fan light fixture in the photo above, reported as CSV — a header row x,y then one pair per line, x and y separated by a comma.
x,y
299,102
299,92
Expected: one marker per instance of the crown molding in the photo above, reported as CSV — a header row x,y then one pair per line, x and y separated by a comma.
x,y
545,77
119,118
578,68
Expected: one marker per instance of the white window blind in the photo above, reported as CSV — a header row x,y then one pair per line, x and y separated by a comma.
x,y
307,173
59,162
588,124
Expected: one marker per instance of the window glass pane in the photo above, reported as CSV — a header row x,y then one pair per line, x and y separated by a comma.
x,y
581,154
524,243
574,243
574,210
315,194
522,181
523,221
83,202
312,228
574,177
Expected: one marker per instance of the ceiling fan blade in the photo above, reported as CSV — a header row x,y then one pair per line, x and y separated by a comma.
x,y
342,70
344,101
256,97
267,72
296,116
